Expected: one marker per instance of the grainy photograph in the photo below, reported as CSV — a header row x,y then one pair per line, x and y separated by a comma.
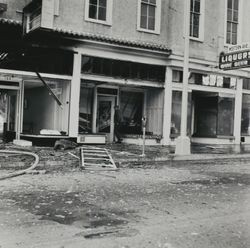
x,y
124,124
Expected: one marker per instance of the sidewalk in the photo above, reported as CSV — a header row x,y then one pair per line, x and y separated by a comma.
x,y
124,155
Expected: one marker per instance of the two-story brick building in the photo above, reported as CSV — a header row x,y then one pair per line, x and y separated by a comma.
x,y
95,54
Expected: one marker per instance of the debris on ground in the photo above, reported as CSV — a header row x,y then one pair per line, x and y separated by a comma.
x,y
64,144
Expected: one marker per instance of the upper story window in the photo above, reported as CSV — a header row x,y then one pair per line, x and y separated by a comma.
x,y
35,19
99,11
149,12
232,21
197,19
32,17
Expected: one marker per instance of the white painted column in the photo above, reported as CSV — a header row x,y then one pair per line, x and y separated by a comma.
x,y
21,106
94,111
237,111
167,108
75,96
18,116
145,103
183,141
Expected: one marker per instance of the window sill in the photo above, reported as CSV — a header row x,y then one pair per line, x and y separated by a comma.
x,y
148,31
173,136
106,23
225,137
214,137
136,136
201,40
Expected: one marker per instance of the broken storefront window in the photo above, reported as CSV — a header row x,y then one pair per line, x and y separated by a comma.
x,y
245,116
176,114
214,115
131,105
41,112
85,110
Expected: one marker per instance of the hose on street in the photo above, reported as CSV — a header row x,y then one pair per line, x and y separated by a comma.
x,y
21,172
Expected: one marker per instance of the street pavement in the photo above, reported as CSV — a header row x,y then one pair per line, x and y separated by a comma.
x,y
197,203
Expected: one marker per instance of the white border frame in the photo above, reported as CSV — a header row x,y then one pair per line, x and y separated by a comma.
x,y
157,18
108,14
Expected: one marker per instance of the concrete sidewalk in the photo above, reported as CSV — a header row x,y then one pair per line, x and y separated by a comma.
x,y
125,155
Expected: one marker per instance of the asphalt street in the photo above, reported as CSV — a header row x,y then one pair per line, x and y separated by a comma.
x,y
196,205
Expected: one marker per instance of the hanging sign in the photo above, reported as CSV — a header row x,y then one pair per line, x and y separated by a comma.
x,y
235,57
235,60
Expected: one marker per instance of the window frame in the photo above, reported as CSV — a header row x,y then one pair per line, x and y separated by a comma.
x,y
239,25
201,22
157,18
109,10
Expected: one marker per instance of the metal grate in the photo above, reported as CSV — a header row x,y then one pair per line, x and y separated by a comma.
x,y
95,158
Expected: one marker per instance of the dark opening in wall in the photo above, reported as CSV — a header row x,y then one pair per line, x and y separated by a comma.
x,y
123,69
43,60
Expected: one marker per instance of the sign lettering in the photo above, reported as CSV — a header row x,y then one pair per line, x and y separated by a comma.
x,y
236,60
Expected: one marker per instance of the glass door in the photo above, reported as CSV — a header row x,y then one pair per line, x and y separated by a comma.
x,y
105,117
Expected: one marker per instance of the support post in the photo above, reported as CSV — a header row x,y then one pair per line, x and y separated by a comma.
x,y
167,108
183,141
75,96
18,114
237,112
144,123
94,111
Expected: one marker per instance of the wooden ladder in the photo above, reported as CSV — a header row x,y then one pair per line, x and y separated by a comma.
x,y
95,158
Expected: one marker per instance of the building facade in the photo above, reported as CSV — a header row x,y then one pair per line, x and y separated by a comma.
x,y
64,65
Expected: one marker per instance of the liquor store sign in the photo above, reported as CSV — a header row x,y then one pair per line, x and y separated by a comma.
x,y
235,57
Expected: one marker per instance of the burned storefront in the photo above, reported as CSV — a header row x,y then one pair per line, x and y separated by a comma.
x,y
35,93
138,90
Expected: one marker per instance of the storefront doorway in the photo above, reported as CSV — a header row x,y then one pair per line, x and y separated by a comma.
x,y
105,116
8,114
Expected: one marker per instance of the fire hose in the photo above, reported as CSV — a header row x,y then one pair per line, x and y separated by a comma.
x,y
21,172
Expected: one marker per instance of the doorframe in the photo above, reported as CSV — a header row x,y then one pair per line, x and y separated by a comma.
x,y
19,102
112,99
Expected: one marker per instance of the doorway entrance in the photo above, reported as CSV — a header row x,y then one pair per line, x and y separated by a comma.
x,y
8,106
105,116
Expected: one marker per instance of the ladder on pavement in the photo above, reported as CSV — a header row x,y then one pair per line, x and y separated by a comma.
x,y
95,158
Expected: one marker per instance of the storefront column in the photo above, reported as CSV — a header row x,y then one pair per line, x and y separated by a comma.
x,y
167,109
75,96
237,111
183,141
94,111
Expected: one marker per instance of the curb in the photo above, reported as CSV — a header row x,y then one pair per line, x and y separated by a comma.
x,y
193,157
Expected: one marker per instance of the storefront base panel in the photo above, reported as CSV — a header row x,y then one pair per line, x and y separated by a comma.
x,y
139,141
46,141
245,139
91,139
215,141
